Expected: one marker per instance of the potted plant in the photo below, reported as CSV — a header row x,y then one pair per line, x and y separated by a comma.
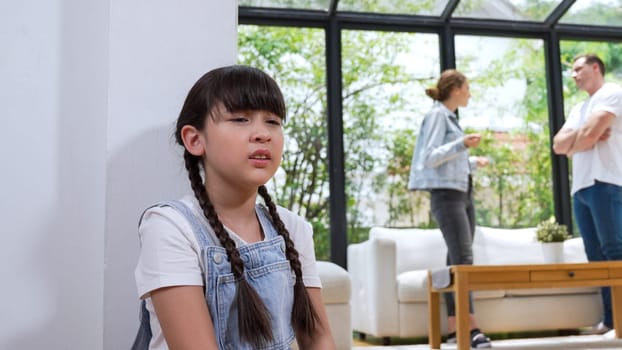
x,y
552,235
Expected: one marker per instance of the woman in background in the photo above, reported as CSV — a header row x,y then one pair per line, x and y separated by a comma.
x,y
442,166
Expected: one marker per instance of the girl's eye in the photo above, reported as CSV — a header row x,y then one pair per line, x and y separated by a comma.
x,y
275,122
239,119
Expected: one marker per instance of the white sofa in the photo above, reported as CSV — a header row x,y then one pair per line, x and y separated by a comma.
x,y
336,291
389,284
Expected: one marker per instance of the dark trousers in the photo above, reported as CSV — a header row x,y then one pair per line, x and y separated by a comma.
x,y
455,215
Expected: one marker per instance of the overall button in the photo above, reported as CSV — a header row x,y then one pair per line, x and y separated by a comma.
x,y
217,258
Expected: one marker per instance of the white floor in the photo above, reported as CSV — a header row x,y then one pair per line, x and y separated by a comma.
x,y
578,342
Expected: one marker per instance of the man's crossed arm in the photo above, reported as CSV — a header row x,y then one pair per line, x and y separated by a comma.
x,y
569,141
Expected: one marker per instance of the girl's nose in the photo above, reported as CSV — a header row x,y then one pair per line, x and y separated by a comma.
x,y
261,134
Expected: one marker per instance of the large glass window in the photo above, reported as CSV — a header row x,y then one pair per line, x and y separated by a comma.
x,y
609,52
295,58
509,108
294,4
419,7
594,12
384,77
516,10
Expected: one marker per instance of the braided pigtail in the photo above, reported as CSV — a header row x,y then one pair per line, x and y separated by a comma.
x,y
304,316
253,316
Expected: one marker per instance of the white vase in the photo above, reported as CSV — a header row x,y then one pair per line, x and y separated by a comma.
x,y
553,252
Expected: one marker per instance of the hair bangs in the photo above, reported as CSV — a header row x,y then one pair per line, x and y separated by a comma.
x,y
245,88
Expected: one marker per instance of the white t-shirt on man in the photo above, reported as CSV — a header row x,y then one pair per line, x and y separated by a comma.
x,y
603,162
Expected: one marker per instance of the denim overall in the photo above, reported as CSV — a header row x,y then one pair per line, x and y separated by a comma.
x,y
266,269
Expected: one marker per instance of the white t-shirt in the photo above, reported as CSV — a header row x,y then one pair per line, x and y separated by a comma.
x,y
603,162
170,254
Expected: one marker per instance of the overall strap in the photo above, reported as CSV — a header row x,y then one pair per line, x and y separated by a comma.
x,y
204,234
266,221
144,334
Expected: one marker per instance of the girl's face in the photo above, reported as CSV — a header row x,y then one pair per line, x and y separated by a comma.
x,y
463,94
242,148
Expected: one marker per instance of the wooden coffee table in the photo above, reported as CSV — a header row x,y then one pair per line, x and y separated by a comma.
x,y
467,278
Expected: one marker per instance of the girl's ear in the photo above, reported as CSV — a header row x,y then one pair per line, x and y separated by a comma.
x,y
193,140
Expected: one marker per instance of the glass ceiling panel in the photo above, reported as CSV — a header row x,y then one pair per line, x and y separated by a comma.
x,y
515,10
594,12
405,7
322,5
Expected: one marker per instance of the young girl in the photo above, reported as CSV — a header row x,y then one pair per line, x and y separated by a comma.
x,y
216,270
441,165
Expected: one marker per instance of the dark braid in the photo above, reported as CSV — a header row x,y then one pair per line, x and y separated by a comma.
x,y
304,317
253,316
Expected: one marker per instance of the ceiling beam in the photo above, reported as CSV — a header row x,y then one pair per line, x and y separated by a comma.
x,y
557,13
449,10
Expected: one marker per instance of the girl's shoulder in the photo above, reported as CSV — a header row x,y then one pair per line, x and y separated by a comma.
x,y
174,218
174,210
289,216
297,225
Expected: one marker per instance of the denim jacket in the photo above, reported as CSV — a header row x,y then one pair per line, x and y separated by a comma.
x,y
440,159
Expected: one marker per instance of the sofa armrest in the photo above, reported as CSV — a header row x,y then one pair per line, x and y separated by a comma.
x,y
372,267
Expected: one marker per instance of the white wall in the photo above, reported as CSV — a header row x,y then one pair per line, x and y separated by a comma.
x,y
89,92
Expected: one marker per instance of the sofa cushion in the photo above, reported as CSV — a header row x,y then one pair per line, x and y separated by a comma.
x,y
336,283
495,246
574,251
416,249
412,287
498,246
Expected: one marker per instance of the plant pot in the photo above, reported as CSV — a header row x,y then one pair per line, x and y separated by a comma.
x,y
553,252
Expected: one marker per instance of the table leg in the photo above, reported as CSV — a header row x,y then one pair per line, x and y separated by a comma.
x,y
463,334
434,310
616,309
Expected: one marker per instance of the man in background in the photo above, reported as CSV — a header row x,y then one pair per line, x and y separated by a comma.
x,y
592,137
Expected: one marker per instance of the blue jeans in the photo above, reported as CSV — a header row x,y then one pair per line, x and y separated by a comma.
x,y
598,213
